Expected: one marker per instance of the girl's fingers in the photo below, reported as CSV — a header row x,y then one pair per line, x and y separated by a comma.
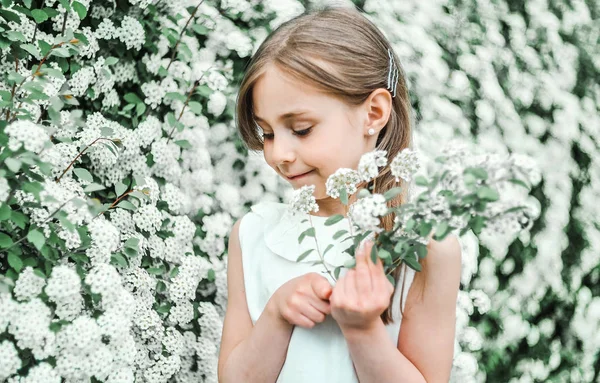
x,y
364,282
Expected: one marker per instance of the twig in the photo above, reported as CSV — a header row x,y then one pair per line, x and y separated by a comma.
x,y
33,227
183,107
79,155
182,32
115,202
319,252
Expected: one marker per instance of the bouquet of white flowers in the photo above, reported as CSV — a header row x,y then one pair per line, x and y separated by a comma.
x,y
463,193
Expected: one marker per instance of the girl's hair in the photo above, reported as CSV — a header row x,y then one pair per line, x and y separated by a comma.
x,y
355,48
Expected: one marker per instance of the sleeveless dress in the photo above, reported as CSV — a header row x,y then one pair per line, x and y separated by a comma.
x,y
268,237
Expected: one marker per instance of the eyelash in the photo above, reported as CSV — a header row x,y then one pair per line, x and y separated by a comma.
x,y
301,133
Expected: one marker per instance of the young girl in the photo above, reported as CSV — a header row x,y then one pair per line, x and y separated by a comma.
x,y
321,90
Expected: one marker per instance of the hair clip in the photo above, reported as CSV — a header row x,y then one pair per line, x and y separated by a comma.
x,y
393,74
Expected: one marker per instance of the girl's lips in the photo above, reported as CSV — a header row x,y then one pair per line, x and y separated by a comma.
x,y
299,176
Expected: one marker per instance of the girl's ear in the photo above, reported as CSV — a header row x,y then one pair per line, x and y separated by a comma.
x,y
378,107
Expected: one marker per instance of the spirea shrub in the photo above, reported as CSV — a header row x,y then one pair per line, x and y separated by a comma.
x,y
120,180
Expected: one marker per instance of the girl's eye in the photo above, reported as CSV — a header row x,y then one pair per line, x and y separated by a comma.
x,y
304,132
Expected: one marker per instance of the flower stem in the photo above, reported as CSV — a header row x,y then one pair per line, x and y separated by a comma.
x,y
318,251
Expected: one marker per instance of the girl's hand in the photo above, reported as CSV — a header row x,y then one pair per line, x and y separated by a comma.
x,y
302,301
362,294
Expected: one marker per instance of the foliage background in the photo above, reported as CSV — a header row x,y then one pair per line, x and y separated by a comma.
x,y
112,254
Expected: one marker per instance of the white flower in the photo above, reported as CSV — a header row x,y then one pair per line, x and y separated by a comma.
x,y
25,133
405,164
10,360
370,163
303,200
154,93
364,213
342,179
29,285
131,33
217,102
105,30
4,189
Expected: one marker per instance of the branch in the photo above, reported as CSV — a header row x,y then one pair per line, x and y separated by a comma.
x,y
79,155
182,32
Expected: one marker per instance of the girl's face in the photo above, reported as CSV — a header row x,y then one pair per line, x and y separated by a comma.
x,y
307,134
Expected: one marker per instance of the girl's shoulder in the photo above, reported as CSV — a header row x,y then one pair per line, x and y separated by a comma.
x,y
269,210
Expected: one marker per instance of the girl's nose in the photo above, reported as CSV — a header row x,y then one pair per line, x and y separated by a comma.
x,y
283,150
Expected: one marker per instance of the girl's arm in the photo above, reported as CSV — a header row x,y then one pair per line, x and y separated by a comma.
x,y
249,353
425,346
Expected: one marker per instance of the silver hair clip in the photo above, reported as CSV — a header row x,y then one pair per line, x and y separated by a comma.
x,y
393,74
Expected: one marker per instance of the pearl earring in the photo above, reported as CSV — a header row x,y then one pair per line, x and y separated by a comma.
x,y
371,132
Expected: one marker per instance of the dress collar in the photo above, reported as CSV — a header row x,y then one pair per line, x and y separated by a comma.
x,y
282,229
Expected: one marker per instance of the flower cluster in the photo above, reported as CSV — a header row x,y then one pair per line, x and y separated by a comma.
x,y
303,201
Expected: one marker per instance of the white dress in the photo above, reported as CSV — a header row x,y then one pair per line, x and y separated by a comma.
x,y
269,242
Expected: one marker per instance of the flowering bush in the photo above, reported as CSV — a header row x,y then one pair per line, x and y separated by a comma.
x,y
115,120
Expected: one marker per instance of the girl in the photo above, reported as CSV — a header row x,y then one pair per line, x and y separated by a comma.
x,y
323,89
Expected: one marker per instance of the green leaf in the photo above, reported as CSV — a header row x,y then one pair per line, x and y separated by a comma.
x,y
31,49
519,182
66,4
83,174
339,234
10,16
336,272
421,250
5,241
127,205
374,254
384,254
421,181
93,187
44,47
4,212
39,15
60,52
175,96
36,238
344,196
80,9
200,29
304,255
488,194
412,263
424,229
308,232
441,230
132,243
13,164
185,144
333,219
393,192
132,98
15,262
51,12
118,259
120,188
350,263
329,247
140,109
105,131
195,107
111,60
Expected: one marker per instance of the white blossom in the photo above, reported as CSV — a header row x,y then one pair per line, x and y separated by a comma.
x,y
369,164
405,164
342,179
365,212
303,200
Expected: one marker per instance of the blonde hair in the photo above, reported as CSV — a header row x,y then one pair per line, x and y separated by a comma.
x,y
355,48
